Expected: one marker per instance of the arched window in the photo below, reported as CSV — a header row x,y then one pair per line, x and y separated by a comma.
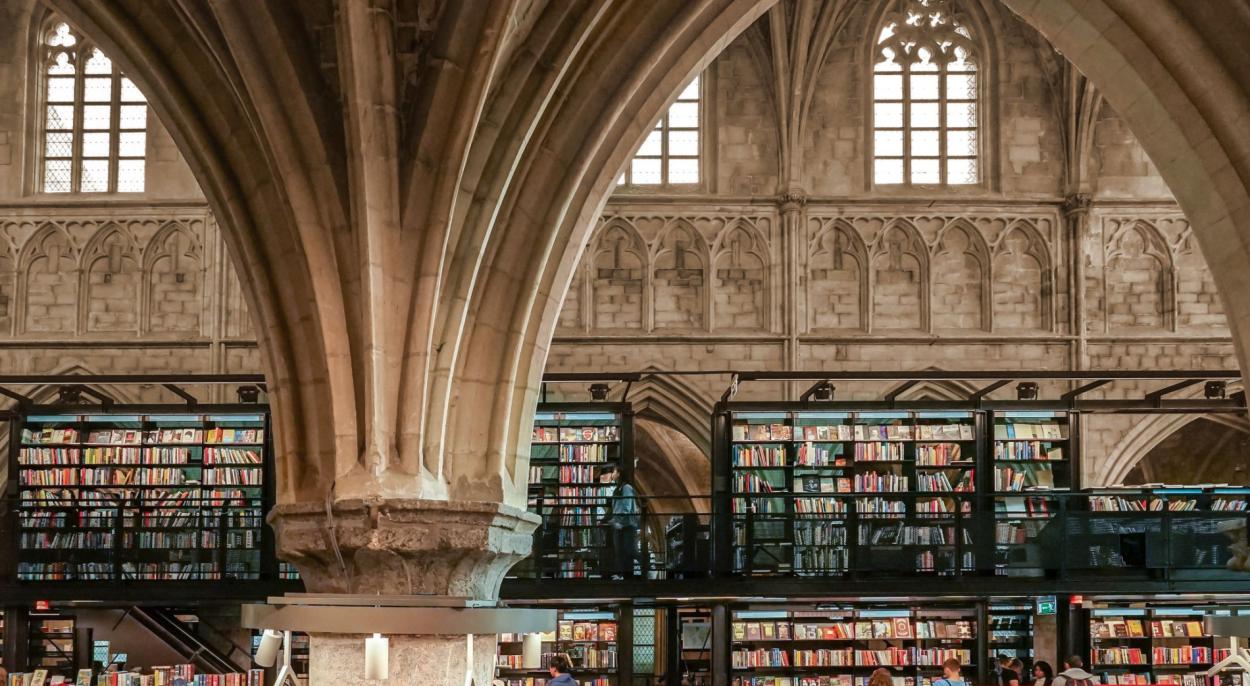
x,y
94,119
670,154
924,92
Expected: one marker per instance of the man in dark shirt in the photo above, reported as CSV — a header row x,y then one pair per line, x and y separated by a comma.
x,y
1006,676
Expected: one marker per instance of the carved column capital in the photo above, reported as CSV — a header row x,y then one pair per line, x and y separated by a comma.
x,y
399,546
1077,203
793,199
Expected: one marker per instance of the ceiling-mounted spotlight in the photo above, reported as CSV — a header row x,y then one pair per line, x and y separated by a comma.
x,y
377,657
599,391
1026,390
1215,390
823,391
249,394
267,649
69,395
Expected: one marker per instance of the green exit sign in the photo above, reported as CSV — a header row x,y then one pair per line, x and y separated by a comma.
x,y
1046,605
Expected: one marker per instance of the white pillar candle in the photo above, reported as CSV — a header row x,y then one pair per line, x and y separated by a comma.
x,y
377,657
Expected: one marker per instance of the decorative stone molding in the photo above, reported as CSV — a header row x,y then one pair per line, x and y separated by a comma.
x,y
403,546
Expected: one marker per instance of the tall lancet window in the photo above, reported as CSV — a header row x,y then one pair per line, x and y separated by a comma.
x,y
94,119
924,98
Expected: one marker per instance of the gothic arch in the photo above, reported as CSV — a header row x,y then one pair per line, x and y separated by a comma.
x,y
1023,280
619,267
110,282
899,280
8,288
48,290
837,278
679,278
741,296
173,283
1142,438
961,273
676,402
1139,279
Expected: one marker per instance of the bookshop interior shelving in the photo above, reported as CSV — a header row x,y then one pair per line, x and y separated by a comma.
x,y
589,637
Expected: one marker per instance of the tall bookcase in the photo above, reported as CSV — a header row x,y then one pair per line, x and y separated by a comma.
x,y
142,497
590,638
841,646
815,493
1159,645
1010,630
51,644
573,445
1033,454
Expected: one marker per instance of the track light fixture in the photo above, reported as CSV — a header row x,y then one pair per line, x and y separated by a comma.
x,y
823,392
1215,390
1026,390
599,391
267,649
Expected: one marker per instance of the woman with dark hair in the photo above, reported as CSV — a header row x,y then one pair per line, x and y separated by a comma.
x,y
1043,673
560,667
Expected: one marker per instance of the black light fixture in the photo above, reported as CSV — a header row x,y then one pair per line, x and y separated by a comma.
x,y
249,394
1026,390
599,391
1215,390
69,395
823,391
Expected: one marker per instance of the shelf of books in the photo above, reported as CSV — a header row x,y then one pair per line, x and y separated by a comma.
x,y
1032,456
571,450
588,638
1121,528
1161,645
1010,630
175,675
695,626
822,493
50,644
108,497
842,647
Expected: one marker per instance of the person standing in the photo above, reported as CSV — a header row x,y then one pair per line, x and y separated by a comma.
x,y
623,521
1043,673
559,667
880,677
1074,673
1006,676
951,674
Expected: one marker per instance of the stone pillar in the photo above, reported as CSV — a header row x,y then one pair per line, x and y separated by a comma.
x,y
1076,216
794,242
403,547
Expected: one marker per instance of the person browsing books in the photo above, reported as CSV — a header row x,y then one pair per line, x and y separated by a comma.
x,y
1043,673
623,521
559,667
880,677
951,675
1074,673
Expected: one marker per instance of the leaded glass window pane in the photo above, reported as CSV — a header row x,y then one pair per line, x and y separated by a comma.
x,y
670,153
924,113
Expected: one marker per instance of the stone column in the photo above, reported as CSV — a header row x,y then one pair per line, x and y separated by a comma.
x,y
1076,216
403,547
794,242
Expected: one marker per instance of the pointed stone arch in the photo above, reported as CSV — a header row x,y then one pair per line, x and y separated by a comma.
x,y
680,259
899,279
48,288
111,282
676,402
1023,281
1139,279
961,274
8,287
740,283
618,277
837,278
174,274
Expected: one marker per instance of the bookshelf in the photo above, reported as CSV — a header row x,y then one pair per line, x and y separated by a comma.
x,y
818,493
588,637
1032,454
147,497
50,644
694,627
1150,645
842,646
571,447
1010,630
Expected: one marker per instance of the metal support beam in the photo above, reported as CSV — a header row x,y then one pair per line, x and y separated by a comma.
x,y
1084,388
894,394
1156,396
176,390
982,392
